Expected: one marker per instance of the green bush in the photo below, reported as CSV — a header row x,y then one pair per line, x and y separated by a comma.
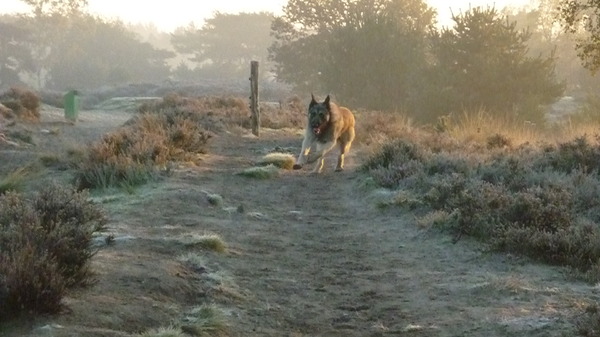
x,y
45,248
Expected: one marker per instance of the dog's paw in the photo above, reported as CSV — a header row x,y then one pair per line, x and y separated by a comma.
x,y
339,169
297,166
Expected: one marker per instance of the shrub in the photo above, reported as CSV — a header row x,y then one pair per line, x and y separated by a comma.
x,y
131,155
498,141
534,202
567,157
588,325
23,102
30,281
212,113
390,176
394,154
45,247
118,171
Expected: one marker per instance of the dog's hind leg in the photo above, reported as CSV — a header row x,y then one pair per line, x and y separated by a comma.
x,y
344,148
345,143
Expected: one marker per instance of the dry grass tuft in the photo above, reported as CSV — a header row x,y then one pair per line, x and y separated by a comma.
x,y
209,241
214,199
15,180
282,160
262,172
193,260
481,126
205,320
163,332
375,127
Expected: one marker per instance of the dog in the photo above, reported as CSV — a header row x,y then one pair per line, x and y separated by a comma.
x,y
327,126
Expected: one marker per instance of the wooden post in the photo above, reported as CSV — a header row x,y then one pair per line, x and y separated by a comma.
x,y
254,107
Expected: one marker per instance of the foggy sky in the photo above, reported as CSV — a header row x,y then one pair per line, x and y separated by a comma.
x,y
168,15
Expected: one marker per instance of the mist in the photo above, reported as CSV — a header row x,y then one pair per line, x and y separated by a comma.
x,y
378,62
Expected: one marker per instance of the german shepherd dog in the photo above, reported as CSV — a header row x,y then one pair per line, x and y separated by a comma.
x,y
328,125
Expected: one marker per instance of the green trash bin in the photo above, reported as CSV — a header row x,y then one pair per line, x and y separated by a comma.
x,y
71,105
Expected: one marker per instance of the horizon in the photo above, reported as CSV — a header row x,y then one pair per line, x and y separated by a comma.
x,y
168,16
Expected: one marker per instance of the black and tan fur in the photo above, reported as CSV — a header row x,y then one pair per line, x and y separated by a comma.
x,y
327,126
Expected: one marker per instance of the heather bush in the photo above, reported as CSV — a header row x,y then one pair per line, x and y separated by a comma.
x,y
24,103
578,154
213,113
45,248
394,153
132,155
217,113
498,141
536,201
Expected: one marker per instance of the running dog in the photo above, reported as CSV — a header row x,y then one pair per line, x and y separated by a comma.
x,y
327,126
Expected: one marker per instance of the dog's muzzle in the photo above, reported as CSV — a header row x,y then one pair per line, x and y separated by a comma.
x,y
317,129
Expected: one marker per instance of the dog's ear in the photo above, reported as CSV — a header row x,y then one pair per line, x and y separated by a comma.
x,y
313,101
326,102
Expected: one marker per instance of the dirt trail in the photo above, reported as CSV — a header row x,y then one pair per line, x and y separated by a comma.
x,y
316,258
308,256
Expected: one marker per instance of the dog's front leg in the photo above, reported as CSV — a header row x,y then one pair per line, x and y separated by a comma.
x,y
319,155
302,157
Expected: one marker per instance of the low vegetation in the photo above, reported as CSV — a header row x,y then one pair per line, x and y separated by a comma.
x,y
206,320
510,190
20,103
282,160
133,154
260,172
45,248
175,128
14,181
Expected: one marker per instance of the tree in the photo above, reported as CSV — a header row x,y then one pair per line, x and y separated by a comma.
x,y
63,7
80,51
547,36
14,56
483,62
46,27
226,43
367,52
582,17
93,52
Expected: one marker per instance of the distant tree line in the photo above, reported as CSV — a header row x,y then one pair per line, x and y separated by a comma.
x,y
388,54
375,54
60,46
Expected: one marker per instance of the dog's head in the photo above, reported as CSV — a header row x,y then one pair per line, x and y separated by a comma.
x,y
319,115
